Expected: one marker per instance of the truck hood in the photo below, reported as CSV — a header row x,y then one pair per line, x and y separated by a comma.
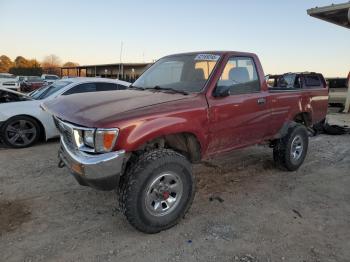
x,y
91,109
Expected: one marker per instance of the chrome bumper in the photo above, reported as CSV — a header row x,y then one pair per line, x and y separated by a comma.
x,y
101,171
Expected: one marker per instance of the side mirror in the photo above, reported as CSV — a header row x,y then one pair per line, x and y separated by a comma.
x,y
222,92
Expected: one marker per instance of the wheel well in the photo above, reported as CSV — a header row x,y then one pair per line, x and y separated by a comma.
x,y
42,129
185,143
304,118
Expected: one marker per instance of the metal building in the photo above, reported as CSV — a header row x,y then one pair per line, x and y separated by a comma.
x,y
338,14
124,71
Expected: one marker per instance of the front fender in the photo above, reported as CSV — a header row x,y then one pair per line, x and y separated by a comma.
x,y
134,135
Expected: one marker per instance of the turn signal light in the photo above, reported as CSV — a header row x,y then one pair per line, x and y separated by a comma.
x,y
105,139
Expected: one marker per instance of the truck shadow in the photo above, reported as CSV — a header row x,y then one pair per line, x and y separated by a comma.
x,y
227,172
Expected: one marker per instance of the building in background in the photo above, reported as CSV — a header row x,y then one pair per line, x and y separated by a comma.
x,y
123,71
338,14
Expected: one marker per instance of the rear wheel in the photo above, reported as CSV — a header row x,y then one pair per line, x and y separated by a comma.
x,y
20,132
157,191
290,151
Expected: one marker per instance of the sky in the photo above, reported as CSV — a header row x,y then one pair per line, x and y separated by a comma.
x,y
91,32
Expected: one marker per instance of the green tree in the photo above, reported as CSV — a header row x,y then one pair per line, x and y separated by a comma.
x,y
20,61
5,64
26,67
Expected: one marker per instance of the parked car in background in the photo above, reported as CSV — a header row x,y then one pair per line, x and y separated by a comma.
x,y
337,91
23,122
20,79
9,96
49,79
295,80
184,109
31,83
272,80
9,81
66,77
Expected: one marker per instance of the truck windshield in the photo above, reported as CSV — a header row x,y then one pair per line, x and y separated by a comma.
x,y
186,73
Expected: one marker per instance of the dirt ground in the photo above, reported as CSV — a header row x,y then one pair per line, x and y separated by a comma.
x,y
245,210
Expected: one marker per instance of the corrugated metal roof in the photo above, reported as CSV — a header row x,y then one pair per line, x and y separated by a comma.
x,y
108,65
338,14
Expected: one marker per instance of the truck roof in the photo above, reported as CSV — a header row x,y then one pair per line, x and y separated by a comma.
x,y
214,52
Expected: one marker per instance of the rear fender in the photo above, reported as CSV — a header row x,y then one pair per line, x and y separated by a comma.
x,y
284,130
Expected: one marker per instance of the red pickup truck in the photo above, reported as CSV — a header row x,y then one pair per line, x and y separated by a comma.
x,y
184,108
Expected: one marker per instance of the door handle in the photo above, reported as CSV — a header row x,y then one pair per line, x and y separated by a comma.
x,y
261,101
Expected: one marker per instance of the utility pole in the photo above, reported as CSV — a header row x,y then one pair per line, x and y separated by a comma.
x,y
120,58
347,102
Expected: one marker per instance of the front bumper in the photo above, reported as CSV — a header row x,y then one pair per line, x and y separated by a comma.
x,y
100,171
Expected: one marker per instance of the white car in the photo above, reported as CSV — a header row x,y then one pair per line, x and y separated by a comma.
x,y
49,79
9,81
22,120
338,91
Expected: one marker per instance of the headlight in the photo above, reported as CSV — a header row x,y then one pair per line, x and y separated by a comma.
x,y
105,139
95,140
78,138
89,138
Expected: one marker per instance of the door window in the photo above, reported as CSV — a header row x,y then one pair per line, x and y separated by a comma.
x,y
94,87
108,87
82,88
240,76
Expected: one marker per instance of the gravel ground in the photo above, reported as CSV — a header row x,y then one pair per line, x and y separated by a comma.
x,y
245,210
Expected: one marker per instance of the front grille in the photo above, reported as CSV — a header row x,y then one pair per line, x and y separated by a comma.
x,y
66,132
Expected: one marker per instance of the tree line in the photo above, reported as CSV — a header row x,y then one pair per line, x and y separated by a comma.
x,y
31,67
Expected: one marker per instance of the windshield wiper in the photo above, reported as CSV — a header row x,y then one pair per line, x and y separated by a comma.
x,y
136,87
169,89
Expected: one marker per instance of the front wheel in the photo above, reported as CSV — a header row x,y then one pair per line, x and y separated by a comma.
x,y
157,190
290,151
20,132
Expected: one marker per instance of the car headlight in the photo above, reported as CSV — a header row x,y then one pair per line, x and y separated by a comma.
x,y
95,140
105,139
89,138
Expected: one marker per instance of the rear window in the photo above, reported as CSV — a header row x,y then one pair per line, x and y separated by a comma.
x,y
312,80
288,81
34,79
51,77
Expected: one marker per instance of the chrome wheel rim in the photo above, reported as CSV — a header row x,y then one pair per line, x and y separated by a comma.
x,y
297,148
20,132
163,194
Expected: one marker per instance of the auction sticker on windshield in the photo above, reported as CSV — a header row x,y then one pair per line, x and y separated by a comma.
x,y
207,57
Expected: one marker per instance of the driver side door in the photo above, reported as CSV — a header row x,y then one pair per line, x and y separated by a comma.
x,y
239,118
